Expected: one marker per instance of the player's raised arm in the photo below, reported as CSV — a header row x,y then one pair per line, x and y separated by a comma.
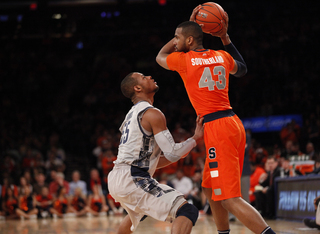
x,y
170,47
240,66
163,54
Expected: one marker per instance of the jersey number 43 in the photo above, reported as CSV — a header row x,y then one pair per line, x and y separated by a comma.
x,y
207,81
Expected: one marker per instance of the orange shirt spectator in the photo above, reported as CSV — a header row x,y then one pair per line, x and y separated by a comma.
x,y
254,179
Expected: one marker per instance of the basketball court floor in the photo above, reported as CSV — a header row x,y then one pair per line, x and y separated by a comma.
x,y
109,224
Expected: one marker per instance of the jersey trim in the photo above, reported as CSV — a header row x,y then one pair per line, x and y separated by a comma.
x,y
201,50
138,120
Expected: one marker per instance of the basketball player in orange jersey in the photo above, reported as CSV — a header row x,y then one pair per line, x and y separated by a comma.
x,y
205,74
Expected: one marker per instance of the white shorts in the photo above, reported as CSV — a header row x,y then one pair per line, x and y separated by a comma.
x,y
141,196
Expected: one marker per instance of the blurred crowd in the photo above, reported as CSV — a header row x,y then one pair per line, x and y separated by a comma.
x,y
61,102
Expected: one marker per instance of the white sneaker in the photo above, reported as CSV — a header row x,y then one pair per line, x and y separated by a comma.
x,y
44,214
102,213
69,215
34,216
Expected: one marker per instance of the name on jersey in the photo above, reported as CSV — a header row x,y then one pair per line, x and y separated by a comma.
x,y
208,61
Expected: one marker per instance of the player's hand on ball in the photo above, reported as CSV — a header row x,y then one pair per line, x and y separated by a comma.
x,y
194,13
224,29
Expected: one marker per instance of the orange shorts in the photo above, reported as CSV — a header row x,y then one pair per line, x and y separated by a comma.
x,y
225,142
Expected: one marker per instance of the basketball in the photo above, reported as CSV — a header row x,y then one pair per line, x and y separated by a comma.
x,y
210,15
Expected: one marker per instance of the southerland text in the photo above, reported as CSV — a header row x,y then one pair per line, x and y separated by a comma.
x,y
208,61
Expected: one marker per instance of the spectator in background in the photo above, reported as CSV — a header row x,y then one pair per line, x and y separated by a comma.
x,y
287,152
258,153
28,175
39,162
28,160
257,175
44,202
316,170
96,201
23,184
285,167
61,204
265,202
107,159
169,170
78,202
54,163
55,146
187,165
290,132
295,149
40,183
59,152
114,206
54,186
310,151
8,164
165,180
51,176
182,183
95,180
313,129
276,151
7,183
103,138
10,204
195,194
27,205
103,146
77,183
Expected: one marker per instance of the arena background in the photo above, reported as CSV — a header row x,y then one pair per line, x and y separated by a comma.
x,y
61,63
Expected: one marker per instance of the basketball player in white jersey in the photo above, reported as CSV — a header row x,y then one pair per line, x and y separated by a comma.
x,y
146,144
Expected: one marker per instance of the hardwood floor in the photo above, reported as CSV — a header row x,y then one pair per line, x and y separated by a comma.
x,y
109,224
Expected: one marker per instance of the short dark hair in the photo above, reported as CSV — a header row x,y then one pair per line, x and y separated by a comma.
x,y
272,157
127,85
190,28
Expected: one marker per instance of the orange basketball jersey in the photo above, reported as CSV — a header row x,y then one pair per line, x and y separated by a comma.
x,y
205,74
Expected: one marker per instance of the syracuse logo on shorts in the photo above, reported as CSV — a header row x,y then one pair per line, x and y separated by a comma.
x,y
212,153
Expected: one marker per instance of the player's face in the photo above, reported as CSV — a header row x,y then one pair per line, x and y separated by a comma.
x,y
179,41
147,83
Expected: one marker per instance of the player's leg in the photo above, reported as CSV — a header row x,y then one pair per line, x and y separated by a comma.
x,y
181,225
22,213
186,217
246,214
125,225
219,213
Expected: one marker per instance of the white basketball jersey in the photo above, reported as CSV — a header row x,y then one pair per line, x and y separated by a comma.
x,y
137,148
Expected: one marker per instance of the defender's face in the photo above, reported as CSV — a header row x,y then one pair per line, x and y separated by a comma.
x,y
146,82
179,41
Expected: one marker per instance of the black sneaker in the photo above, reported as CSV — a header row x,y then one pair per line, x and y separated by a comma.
x,y
311,223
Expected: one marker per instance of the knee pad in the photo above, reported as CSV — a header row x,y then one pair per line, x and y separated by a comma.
x,y
189,211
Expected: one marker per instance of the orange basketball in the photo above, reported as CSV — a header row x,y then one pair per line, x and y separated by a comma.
x,y
210,15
